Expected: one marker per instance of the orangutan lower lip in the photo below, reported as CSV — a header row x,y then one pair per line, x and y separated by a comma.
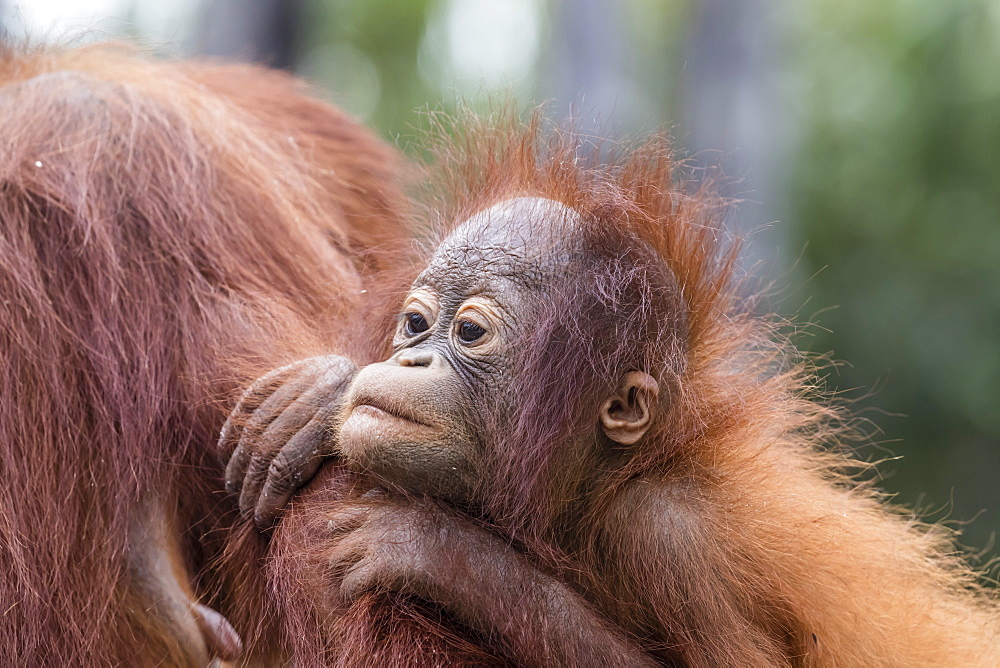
x,y
366,406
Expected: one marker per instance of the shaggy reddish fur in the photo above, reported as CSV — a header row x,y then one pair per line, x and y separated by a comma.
x,y
167,232
380,629
767,551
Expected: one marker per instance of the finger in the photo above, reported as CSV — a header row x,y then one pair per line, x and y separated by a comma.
x,y
327,374
347,519
236,469
358,579
251,447
261,389
315,400
284,395
249,402
294,465
221,639
372,564
346,554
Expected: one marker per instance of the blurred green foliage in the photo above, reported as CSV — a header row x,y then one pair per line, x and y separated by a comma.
x,y
385,34
896,197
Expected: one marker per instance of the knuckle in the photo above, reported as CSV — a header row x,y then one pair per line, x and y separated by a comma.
x,y
251,447
280,472
279,466
259,461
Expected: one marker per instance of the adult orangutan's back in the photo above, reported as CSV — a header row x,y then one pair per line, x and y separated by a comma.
x,y
166,232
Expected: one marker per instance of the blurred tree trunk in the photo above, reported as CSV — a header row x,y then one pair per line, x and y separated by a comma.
x,y
258,31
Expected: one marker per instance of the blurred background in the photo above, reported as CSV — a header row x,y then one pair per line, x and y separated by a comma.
x,y
862,139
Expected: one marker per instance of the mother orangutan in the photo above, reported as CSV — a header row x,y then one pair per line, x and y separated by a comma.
x,y
167,232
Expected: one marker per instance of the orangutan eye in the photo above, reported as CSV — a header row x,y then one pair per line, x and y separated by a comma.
x,y
470,332
415,323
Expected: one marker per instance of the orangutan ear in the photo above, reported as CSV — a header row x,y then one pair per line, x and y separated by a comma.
x,y
627,413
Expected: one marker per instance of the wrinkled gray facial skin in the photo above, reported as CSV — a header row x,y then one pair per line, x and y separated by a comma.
x,y
415,421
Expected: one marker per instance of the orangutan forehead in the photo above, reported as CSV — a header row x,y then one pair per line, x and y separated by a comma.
x,y
524,225
526,237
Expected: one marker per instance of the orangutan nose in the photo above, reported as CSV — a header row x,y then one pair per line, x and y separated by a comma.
x,y
416,357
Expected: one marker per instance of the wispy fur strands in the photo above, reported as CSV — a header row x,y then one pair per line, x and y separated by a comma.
x,y
167,233
763,549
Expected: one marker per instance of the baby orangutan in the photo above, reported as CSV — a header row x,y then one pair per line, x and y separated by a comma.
x,y
419,423
579,424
